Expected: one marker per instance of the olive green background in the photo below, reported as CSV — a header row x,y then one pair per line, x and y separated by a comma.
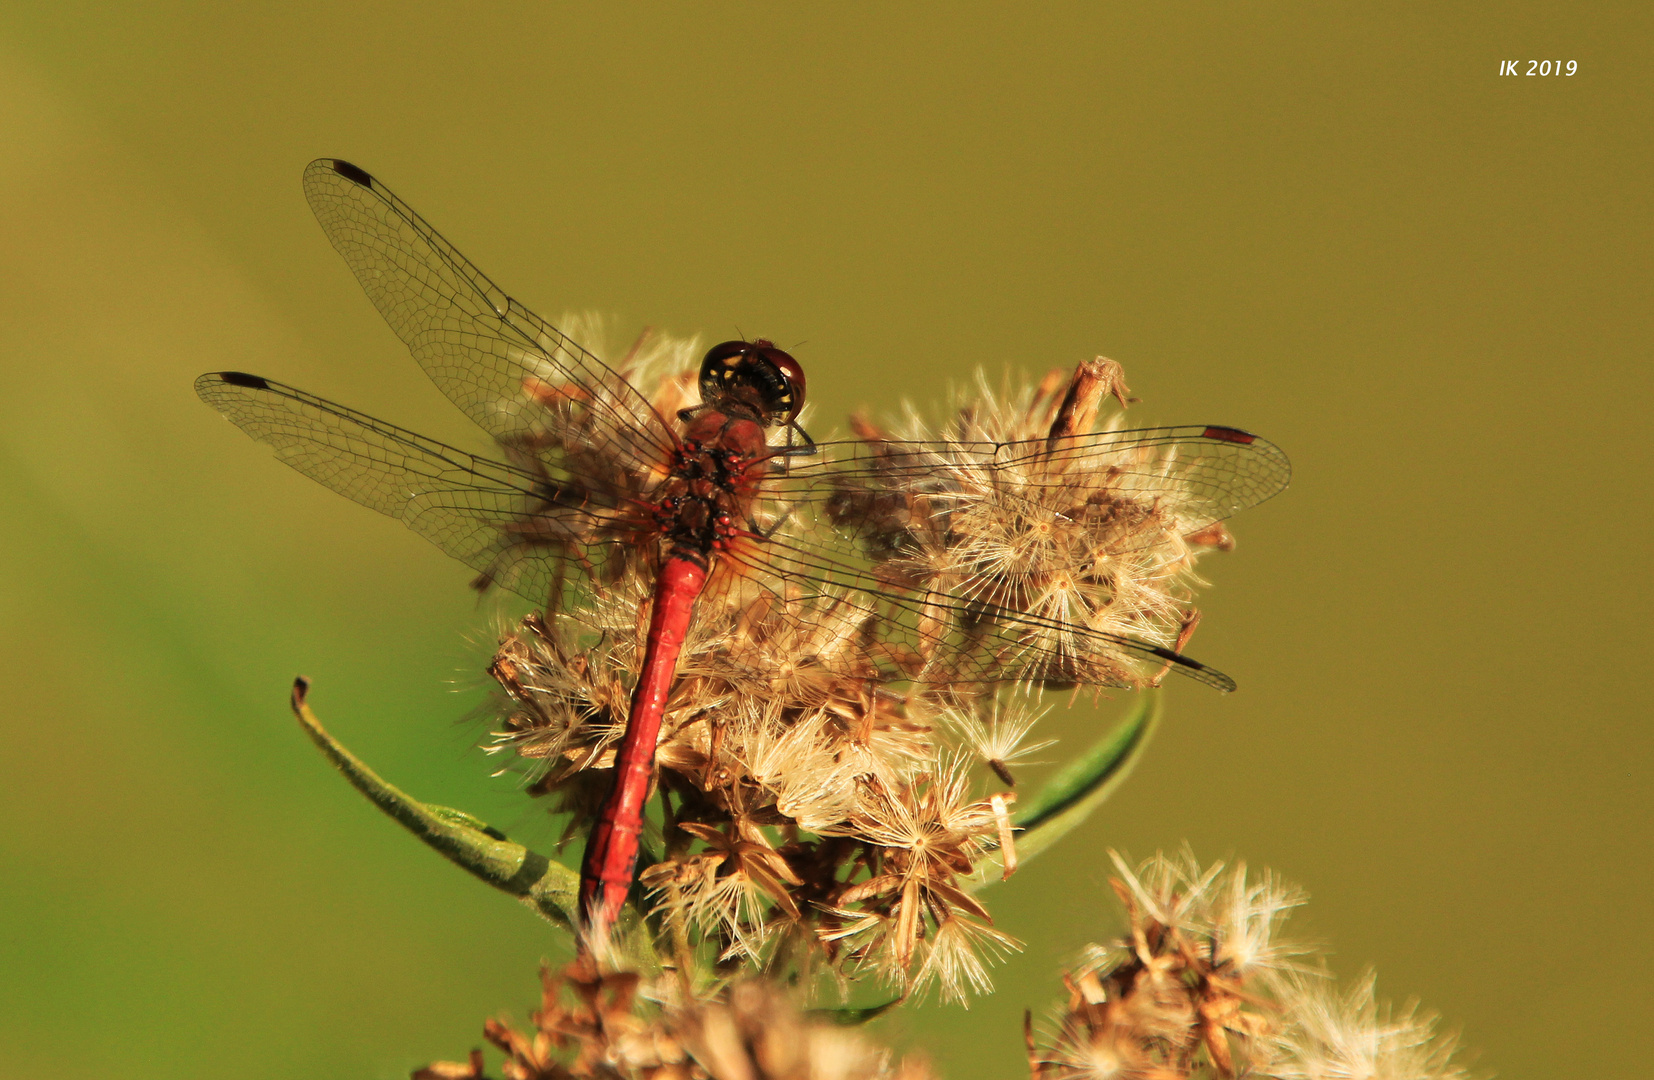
x,y
1336,225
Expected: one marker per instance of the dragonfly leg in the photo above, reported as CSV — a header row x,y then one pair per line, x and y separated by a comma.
x,y
804,449
764,534
1185,631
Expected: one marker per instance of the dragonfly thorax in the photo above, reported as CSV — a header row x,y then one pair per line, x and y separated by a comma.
x,y
714,478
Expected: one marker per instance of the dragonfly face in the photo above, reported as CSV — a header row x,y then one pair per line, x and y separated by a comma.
x,y
758,373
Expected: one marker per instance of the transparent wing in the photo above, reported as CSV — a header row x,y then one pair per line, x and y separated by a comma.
x,y
988,562
1195,475
945,640
518,526
498,361
526,528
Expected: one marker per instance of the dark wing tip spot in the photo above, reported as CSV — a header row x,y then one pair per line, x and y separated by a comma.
x,y
1229,434
352,173
241,378
1211,676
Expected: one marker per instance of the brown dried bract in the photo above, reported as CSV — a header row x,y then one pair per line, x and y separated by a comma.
x,y
609,1025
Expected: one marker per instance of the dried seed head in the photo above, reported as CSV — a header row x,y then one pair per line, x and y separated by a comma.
x,y
756,1032
954,959
1203,985
592,1023
997,737
819,761
1324,1035
1087,540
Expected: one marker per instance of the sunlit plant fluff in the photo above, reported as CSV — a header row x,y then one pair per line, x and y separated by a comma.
x,y
823,798
1203,985
616,1025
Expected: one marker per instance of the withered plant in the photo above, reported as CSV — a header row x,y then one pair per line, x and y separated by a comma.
x,y
1202,985
850,645
835,775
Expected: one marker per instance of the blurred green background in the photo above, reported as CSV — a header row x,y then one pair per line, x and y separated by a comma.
x,y
1336,225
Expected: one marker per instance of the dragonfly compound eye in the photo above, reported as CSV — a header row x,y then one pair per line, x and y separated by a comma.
x,y
754,369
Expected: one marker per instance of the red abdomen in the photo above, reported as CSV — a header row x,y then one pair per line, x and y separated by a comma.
x,y
611,852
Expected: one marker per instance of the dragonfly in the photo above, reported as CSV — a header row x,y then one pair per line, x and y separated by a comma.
x,y
592,480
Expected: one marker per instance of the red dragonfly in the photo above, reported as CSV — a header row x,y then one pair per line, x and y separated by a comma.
x,y
730,491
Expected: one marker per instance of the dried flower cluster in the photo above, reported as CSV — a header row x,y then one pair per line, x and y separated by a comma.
x,y
859,671
1018,505
591,1024
1203,986
820,795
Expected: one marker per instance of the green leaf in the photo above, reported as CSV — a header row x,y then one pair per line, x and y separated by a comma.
x,y
1081,786
852,1017
1085,783
460,817
549,887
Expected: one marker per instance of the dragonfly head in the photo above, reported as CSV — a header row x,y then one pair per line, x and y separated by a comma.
x,y
758,373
